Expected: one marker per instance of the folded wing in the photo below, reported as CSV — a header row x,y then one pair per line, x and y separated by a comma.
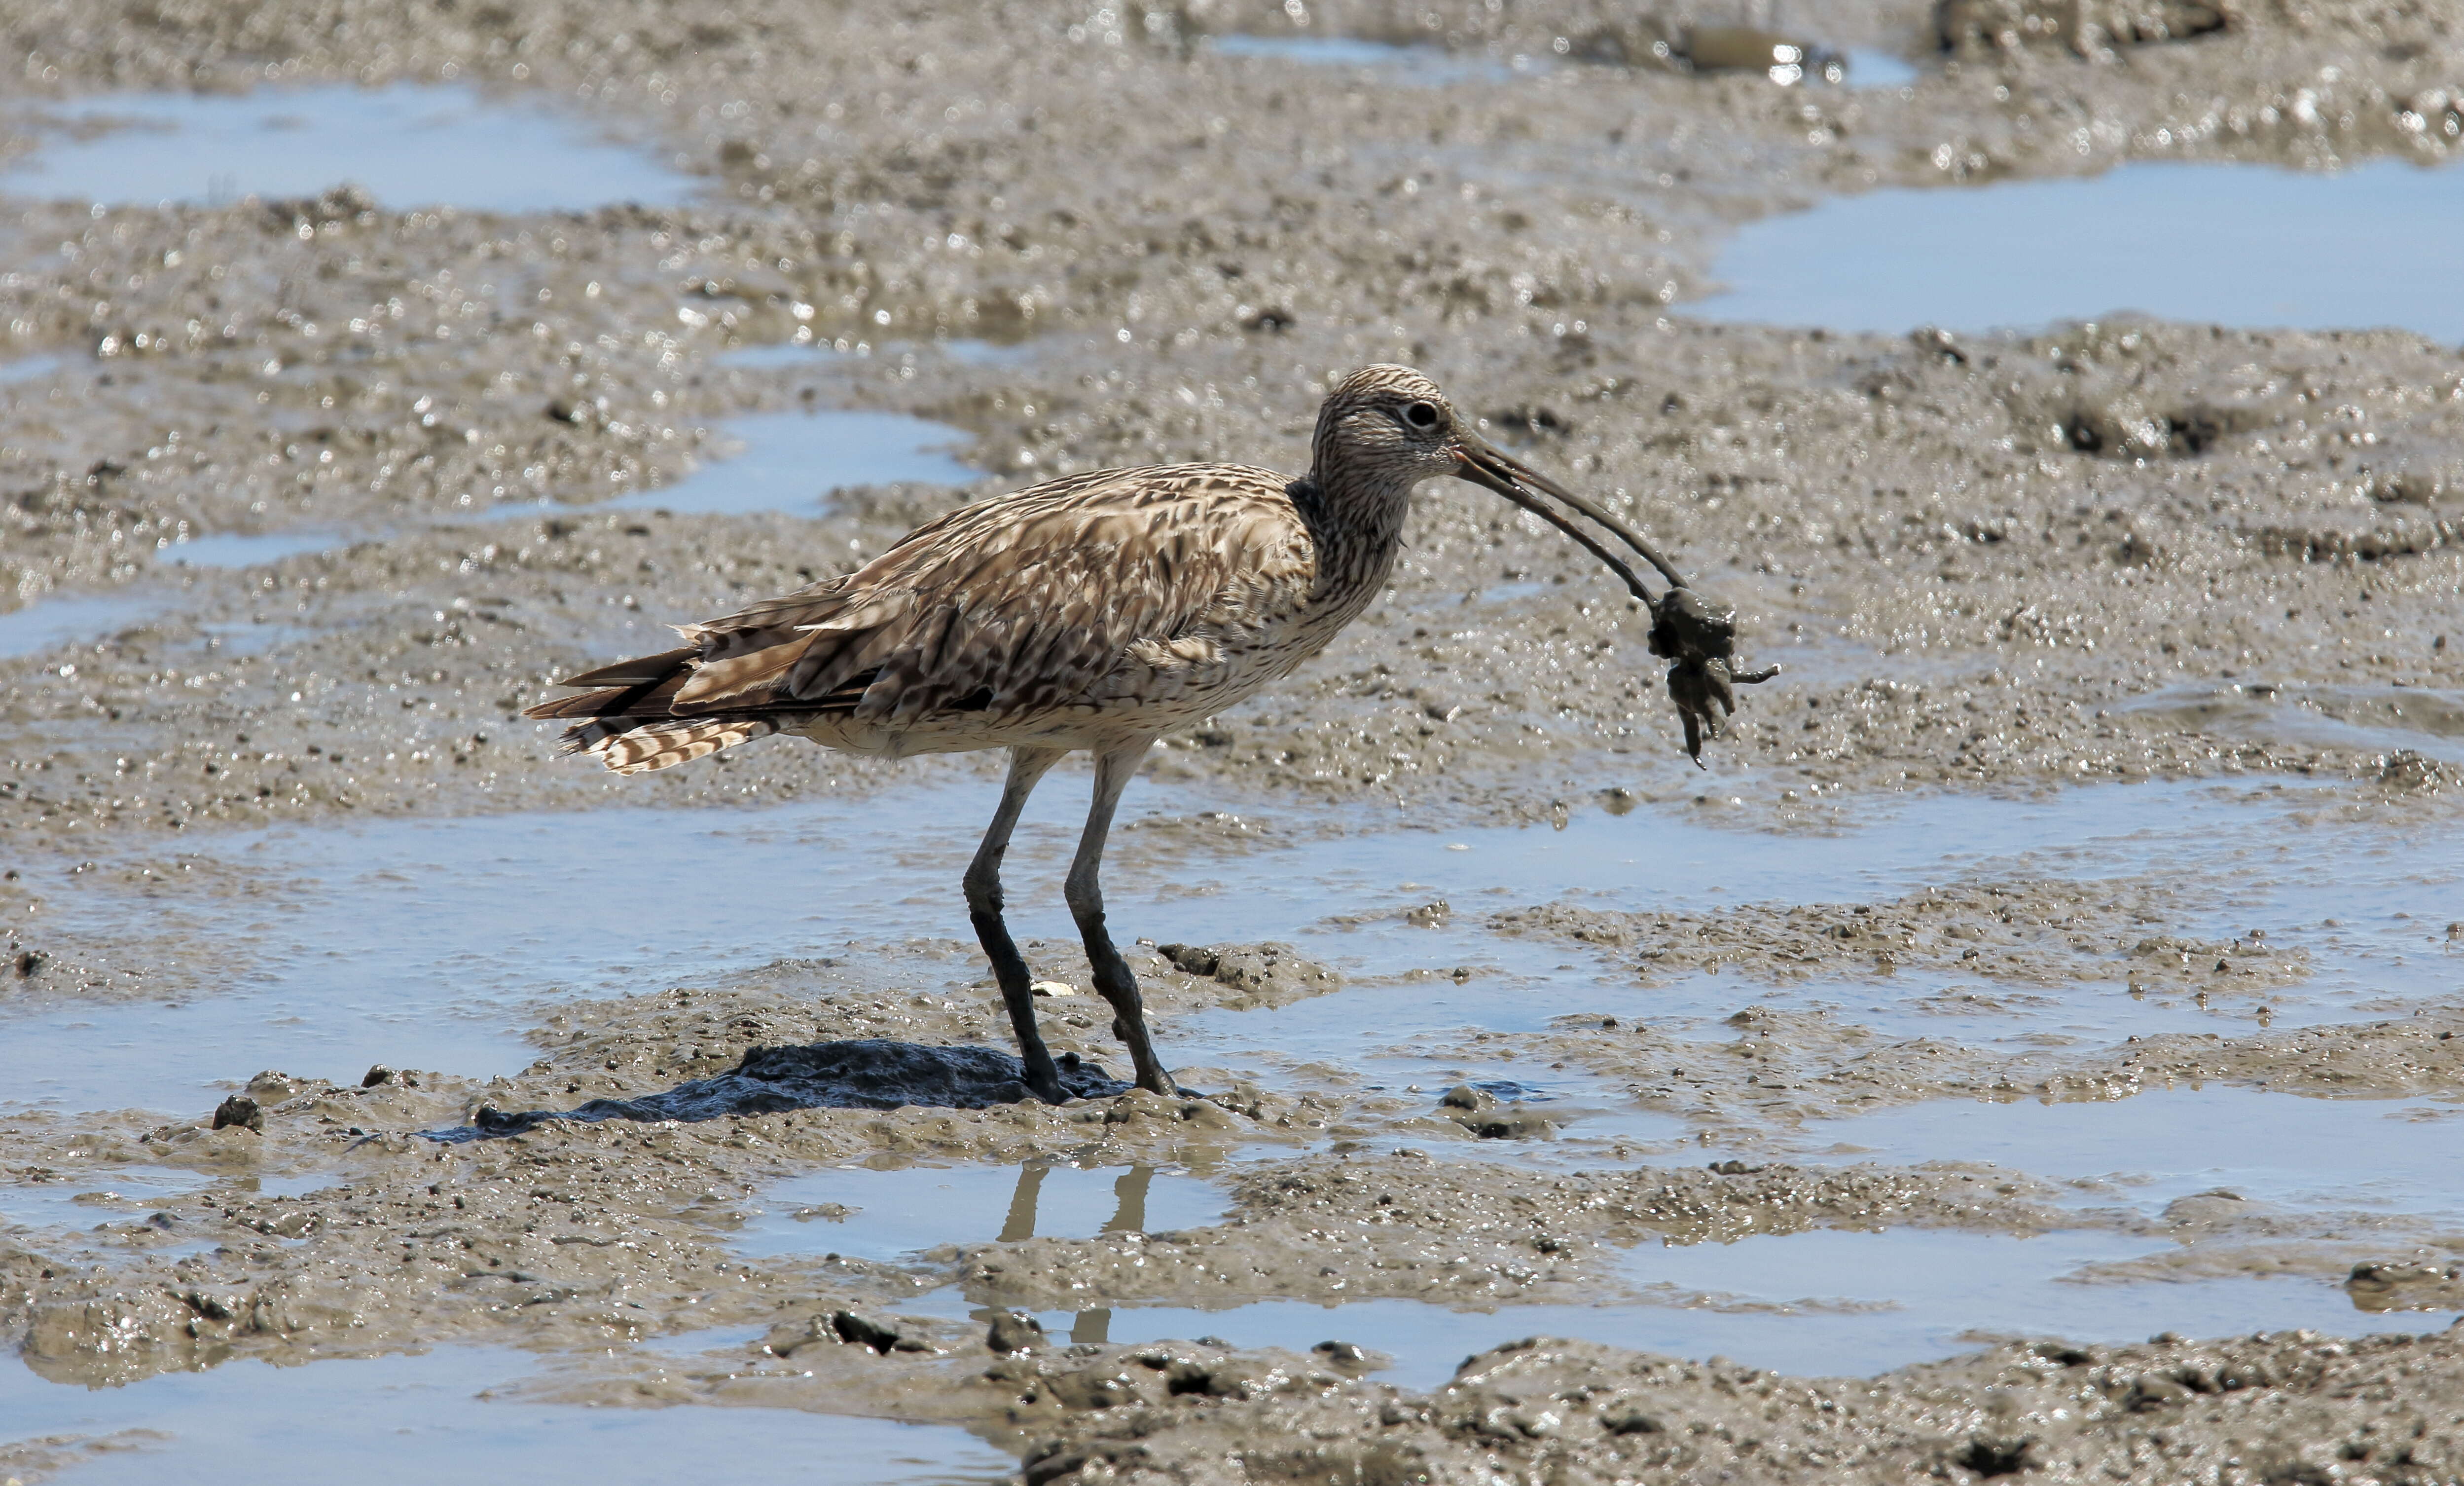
x,y
1014,606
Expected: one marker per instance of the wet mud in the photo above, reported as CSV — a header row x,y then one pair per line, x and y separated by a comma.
x,y
2067,946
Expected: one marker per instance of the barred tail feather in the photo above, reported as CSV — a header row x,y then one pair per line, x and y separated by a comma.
x,y
632,746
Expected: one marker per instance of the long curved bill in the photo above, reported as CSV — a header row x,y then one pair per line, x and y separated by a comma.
x,y
1700,638
1483,463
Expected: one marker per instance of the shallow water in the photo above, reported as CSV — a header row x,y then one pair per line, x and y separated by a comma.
x,y
2390,1156
91,1198
407,145
905,1211
418,1420
2366,720
1826,1302
57,622
2231,244
1415,66
1868,68
790,461
30,369
245,551
1434,66
783,461
787,355
342,967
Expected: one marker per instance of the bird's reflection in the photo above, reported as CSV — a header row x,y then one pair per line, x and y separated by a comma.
x,y
1128,1217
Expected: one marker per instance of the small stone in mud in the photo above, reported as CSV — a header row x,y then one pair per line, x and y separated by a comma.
x,y
1270,974
377,1073
31,962
239,1110
1628,1421
881,1337
2406,1285
270,1087
1049,989
1094,1387
1013,1331
1191,959
1478,1111
1343,1356
2156,1392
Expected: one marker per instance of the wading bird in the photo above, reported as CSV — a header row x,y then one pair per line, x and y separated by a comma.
x,y
1099,611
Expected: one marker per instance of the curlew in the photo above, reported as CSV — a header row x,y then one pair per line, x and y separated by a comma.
x,y
1099,611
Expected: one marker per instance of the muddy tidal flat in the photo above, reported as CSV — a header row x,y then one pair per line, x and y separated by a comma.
x,y
2033,1047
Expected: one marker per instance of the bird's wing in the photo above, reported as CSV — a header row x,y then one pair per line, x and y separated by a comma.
x,y
1015,604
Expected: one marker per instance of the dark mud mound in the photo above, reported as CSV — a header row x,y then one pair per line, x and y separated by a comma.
x,y
873,1073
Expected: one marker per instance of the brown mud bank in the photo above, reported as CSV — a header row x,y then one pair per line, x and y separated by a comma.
x,y
2270,1407
2066,946
611,1189
2109,552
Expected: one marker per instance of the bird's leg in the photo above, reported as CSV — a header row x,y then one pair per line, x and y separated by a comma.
x,y
1114,981
1026,767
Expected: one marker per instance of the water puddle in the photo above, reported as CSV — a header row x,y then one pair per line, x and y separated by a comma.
x,y
1434,66
1416,66
335,963
1415,1041
1827,1302
2388,1156
91,1198
2365,719
51,623
790,461
2227,244
1872,68
406,144
249,551
783,462
893,1214
27,370
789,355
417,1420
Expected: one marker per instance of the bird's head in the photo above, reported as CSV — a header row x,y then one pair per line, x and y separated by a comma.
x,y
1389,427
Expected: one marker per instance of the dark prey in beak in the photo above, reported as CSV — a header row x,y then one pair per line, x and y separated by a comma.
x,y
1698,638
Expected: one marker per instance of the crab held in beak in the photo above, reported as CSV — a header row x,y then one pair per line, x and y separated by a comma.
x,y
1698,638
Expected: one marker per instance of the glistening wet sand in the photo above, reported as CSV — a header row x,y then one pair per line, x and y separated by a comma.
x,y
2063,949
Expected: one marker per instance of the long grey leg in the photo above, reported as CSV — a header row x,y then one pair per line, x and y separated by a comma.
x,y
1026,767
1114,981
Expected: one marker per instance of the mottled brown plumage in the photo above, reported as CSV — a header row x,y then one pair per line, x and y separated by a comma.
x,y
1095,611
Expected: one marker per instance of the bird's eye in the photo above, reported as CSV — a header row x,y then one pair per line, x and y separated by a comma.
x,y
1422,415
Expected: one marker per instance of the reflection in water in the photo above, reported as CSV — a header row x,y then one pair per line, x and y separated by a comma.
x,y
1129,1200
1128,1217
1020,1225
